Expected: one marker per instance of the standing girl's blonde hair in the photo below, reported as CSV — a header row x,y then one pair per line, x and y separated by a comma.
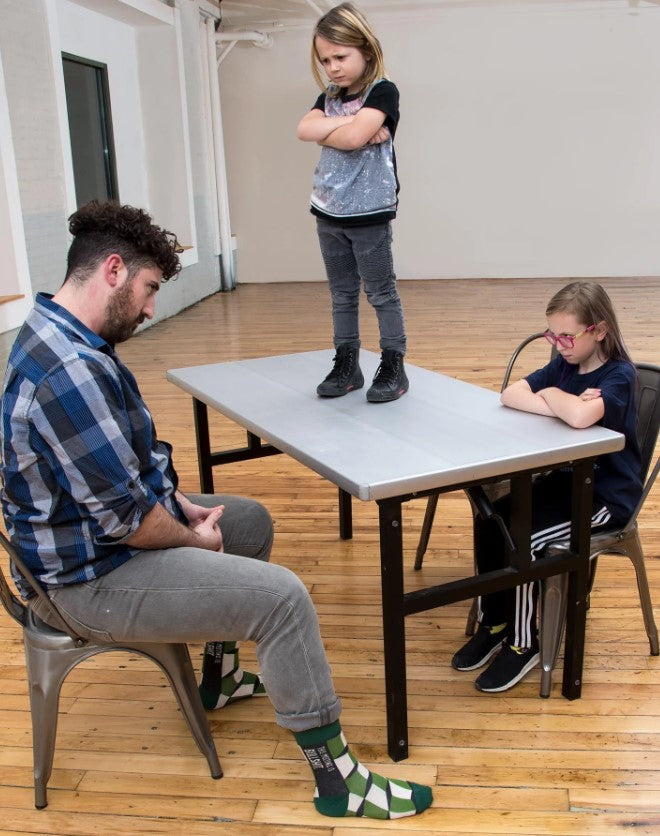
x,y
346,26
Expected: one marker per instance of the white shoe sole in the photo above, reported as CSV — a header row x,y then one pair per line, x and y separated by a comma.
x,y
481,662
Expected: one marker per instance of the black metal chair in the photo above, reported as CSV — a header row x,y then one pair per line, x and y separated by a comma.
x,y
51,653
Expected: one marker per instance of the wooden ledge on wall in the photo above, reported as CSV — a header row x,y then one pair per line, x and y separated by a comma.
x,y
5,299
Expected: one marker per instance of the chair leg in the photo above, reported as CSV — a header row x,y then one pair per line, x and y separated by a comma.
x,y
473,616
46,671
49,656
593,565
425,533
553,617
174,660
636,555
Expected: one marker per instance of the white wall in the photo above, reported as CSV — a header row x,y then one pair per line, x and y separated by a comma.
x,y
37,150
157,91
14,274
527,145
96,37
149,120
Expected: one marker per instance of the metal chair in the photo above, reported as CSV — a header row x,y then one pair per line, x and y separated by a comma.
x,y
51,653
624,541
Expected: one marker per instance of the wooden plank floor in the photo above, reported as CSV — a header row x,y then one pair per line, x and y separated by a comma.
x,y
501,764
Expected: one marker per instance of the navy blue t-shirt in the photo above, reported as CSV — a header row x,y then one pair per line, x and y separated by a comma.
x,y
617,481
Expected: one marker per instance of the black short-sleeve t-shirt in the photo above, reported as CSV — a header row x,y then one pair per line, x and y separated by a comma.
x,y
617,481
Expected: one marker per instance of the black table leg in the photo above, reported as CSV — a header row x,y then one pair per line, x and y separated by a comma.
x,y
345,515
578,580
394,630
520,522
200,412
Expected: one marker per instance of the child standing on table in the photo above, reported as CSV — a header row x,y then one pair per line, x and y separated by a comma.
x,y
354,196
591,381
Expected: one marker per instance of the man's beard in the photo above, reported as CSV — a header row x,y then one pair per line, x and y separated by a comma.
x,y
119,320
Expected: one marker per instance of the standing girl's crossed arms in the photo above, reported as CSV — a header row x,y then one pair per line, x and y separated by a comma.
x,y
354,197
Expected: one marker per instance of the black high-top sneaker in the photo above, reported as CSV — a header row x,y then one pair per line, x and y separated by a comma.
x,y
390,381
345,375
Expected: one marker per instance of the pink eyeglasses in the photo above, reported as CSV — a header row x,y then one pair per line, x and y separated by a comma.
x,y
565,340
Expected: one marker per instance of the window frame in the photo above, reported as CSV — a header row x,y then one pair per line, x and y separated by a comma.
x,y
105,115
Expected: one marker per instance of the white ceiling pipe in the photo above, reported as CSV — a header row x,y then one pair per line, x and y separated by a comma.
x,y
256,38
225,52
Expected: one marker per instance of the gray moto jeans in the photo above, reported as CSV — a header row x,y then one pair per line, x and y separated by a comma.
x,y
362,254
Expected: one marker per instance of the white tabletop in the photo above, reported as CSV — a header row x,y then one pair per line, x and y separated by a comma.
x,y
443,432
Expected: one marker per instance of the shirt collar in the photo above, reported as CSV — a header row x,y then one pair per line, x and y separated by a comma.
x,y
47,307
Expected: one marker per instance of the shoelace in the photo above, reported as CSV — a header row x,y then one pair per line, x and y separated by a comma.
x,y
343,367
386,373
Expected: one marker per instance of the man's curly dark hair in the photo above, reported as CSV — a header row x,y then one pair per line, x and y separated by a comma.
x,y
101,229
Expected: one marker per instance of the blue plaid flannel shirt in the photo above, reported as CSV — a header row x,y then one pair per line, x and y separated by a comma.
x,y
81,463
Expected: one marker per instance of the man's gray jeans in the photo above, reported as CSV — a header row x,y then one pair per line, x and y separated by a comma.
x,y
195,595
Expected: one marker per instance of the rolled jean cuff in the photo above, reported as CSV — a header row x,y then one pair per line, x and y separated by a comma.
x,y
304,722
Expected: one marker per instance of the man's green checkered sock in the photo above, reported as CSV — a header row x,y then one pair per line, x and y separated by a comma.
x,y
223,679
345,787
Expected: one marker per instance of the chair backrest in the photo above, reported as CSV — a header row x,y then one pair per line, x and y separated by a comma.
x,y
532,337
15,607
648,412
